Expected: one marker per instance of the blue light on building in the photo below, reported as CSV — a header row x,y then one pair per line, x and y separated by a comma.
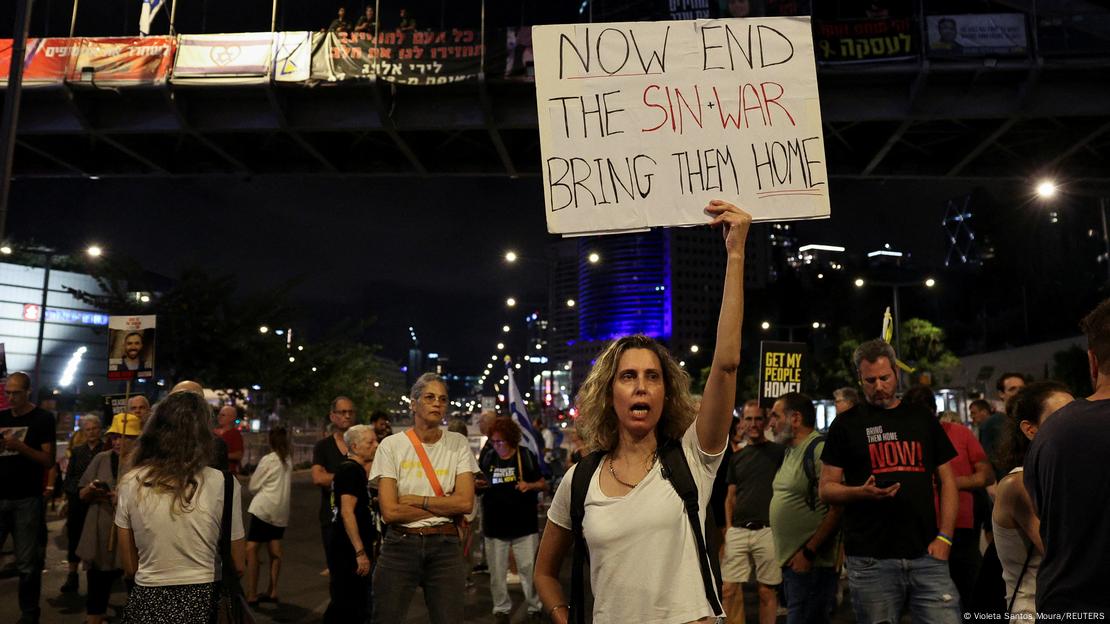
x,y
627,292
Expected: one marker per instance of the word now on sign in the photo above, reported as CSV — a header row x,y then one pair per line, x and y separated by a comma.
x,y
642,123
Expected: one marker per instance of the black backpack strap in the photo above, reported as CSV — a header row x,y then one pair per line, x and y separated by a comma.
x,y
583,471
677,470
809,465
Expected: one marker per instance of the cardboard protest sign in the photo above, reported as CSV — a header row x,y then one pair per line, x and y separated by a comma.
x,y
642,123
782,367
130,347
115,404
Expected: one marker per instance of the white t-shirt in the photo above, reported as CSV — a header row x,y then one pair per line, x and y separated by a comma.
x,y
177,548
397,459
270,485
643,554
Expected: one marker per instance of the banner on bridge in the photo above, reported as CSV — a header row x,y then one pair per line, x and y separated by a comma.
x,y
45,63
403,57
241,58
122,61
865,40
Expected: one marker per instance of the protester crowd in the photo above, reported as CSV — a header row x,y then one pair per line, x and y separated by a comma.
x,y
912,511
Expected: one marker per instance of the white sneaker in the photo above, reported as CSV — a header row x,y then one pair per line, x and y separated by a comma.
x,y
512,579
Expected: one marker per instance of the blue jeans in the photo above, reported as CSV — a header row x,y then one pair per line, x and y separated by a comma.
x,y
810,596
433,562
22,518
880,587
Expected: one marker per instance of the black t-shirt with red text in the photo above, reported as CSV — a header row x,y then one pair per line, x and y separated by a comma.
x,y
904,445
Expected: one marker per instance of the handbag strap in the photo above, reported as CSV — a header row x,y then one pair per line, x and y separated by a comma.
x,y
1017,585
425,462
227,564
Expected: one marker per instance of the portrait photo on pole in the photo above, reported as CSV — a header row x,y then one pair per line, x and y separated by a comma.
x,y
130,347
643,123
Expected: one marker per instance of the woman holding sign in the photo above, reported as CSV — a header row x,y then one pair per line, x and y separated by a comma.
x,y
637,501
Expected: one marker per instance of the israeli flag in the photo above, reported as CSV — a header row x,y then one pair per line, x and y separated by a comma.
x,y
150,9
529,437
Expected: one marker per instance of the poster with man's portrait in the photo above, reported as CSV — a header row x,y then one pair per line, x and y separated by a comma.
x,y
130,347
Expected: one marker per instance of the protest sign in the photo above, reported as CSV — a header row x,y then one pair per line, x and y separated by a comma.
x,y
782,367
115,404
130,347
122,61
642,123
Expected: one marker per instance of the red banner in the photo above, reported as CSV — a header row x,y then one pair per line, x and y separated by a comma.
x,y
123,61
44,64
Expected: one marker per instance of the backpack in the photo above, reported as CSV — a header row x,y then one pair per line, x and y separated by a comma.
x,y
809,466
677,471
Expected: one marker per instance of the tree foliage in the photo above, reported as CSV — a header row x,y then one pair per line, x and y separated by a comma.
x,y
922,345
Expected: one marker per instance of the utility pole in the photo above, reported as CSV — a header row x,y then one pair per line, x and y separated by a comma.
x,y
11,107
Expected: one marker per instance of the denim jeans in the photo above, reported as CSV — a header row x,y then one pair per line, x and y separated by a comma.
x,y
22,518
497,553
810,596
433,562
880,587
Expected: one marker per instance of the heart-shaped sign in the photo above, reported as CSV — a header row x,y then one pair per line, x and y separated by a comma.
x,y
224,55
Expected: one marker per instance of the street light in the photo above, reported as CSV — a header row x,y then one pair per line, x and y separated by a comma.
x,y
505,328
594,257
930,282
510,257
693,348
1046,189
859,282
570,303
6,250
511,302
262,329
94,251
500,346
765,325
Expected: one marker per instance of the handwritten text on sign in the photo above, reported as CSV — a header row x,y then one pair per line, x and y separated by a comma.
x,y
642,123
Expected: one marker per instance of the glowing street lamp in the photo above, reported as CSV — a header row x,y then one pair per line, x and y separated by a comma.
x,y
930,282
510,257
94,251
765,325
511,302
571,303
1046,189
594,257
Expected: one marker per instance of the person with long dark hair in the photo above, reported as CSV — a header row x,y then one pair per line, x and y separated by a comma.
x,y
169,513
645,563
269,512
1017,534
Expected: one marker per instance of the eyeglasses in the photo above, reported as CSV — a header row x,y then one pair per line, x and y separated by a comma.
x,y
432,398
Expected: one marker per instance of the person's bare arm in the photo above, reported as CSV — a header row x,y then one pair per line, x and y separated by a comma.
x,y
981,478
1014,498
239,555
719,397
320,477
458,503
949,506
829,525
347,504
833,491
42,455
554,546
393,510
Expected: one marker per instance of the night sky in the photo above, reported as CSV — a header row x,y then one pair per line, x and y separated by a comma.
x,y
409,251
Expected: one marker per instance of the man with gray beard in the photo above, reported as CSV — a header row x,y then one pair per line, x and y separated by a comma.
x,y
806,530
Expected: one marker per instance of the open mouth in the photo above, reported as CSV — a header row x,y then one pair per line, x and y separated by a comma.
x,y
639,410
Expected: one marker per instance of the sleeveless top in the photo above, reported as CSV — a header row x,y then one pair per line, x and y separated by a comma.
x,y
1013,548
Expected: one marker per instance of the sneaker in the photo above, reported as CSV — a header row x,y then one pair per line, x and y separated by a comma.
x,y
512,578
71,585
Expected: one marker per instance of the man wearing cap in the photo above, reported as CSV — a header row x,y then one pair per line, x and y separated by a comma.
x,y
425,481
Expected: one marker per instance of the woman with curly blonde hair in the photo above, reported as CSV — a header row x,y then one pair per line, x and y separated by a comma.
x,y
644,561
